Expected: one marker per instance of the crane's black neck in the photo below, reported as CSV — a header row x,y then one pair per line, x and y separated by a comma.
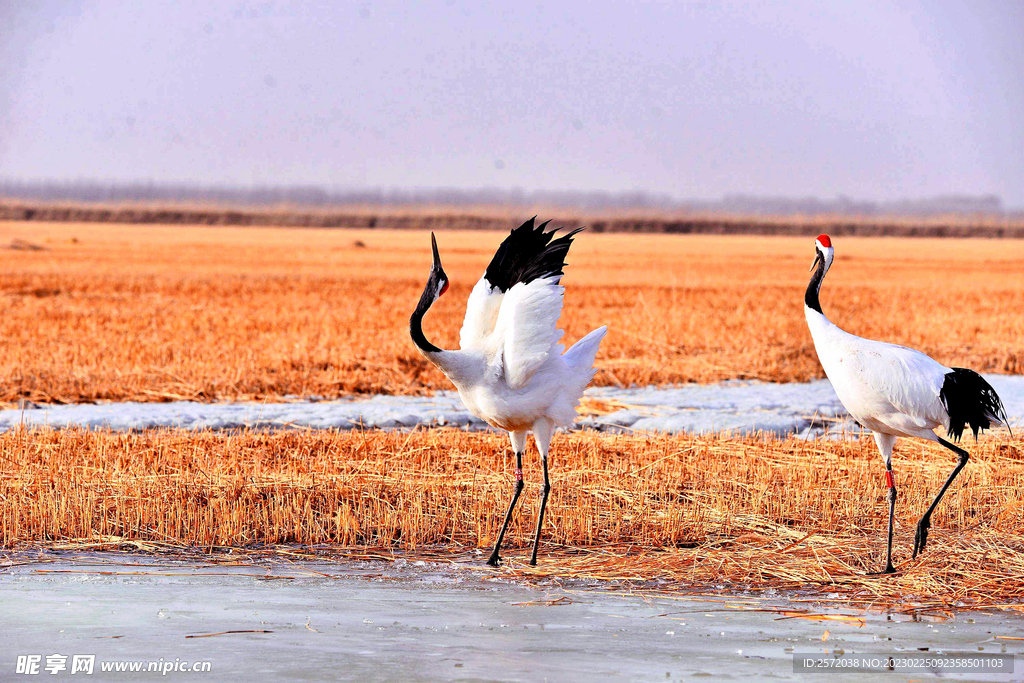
x,y
416,320
811,296
437,284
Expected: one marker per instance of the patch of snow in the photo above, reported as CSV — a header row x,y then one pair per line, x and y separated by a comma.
x,y
809,410
376,412
735,407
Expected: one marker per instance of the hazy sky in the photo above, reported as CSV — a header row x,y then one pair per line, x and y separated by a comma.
x,y
697,99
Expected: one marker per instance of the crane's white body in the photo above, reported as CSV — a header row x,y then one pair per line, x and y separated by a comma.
x,y
895,391
510,369
890,389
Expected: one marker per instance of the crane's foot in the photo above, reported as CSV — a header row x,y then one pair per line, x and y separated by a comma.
x,y
493,560
889,569
921,536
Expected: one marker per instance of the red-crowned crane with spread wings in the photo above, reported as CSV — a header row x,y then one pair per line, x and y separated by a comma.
x,y
510,370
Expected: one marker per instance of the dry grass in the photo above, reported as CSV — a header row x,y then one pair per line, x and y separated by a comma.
x,y
115,312
695,511
102,312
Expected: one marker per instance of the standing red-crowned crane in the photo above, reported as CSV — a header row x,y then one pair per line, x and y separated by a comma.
x,y
895,391
510,370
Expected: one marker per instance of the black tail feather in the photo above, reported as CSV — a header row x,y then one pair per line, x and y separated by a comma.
x,y
970,400
528,253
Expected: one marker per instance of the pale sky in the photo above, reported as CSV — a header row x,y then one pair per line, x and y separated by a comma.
x,y
875,100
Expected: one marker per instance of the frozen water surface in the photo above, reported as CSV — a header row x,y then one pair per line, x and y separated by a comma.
x,y
738,407
378,621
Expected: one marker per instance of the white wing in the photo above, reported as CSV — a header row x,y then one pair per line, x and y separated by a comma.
x,y
909,380
526,325
481,315
876,381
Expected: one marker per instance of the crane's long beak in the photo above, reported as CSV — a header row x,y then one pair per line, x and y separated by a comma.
x,y
437,257
817,257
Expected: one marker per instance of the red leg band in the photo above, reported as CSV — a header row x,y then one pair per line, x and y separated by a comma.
x,y
519,474
889,479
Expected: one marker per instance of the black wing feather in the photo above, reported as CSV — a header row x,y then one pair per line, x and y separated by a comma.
x,y
970,400
527,254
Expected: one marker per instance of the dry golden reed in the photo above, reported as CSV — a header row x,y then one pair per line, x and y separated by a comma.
x,y
695,511
151,313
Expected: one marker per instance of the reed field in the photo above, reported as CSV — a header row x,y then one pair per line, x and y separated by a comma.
x,y
692,511
96,312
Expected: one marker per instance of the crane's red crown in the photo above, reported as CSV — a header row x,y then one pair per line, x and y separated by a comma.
x,y
825,241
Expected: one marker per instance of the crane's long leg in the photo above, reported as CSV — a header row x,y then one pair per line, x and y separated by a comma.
x,y
885,443
542,433
518,445
921,536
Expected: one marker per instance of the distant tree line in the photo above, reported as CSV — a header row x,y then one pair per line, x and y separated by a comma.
x,y
315,196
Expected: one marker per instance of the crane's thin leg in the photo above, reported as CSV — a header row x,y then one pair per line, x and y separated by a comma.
x,y
540,515
885,444
921,537
519,445
542,433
